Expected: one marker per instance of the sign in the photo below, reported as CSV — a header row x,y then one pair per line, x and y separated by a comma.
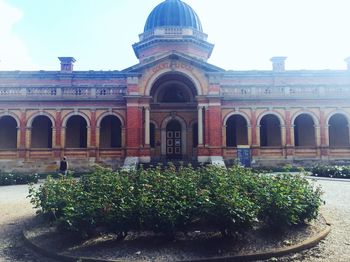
x,y
244,155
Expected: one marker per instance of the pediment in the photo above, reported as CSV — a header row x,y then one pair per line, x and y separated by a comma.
x,y
177,59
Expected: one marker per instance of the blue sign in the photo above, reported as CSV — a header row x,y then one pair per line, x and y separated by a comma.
x,y
244,156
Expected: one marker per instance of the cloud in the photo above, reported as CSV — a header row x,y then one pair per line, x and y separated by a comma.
x,y
13,51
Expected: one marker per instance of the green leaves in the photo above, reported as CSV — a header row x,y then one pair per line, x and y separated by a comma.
x,y
169,200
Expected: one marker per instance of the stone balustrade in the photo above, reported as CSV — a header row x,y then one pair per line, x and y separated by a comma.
x,y
53,93
285,92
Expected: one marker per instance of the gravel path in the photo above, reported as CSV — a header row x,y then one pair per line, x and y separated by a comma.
x,y
15,211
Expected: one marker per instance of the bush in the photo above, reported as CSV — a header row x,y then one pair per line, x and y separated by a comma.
x,y
287,200
18,179
169,200
331,171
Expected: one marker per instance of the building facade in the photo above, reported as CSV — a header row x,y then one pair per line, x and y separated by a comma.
x,y
172,105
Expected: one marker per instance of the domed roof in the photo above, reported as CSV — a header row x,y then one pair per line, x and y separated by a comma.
x,y
173,13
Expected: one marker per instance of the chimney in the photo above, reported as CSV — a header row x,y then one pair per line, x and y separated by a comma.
x,y
347,60
278,63
67,64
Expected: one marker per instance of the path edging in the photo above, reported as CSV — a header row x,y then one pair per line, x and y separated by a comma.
x,y
306,244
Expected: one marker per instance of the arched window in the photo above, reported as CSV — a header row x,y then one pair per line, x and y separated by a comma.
x,y
76,132
270,131
152,135
338,131
8,132
110,132
304,131
236,131
41,136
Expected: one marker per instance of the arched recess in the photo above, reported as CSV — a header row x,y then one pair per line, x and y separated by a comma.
x,y
76,132
8,132
182,123
236,130
41,131
338,131
180,72
270,131
304,130
110,132
173,88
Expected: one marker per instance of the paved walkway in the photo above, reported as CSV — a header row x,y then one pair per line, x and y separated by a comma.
x,y
16,210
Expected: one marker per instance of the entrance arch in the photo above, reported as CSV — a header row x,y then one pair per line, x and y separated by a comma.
x,y
173,124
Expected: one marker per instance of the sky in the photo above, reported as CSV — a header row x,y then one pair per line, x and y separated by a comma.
x,y
313,34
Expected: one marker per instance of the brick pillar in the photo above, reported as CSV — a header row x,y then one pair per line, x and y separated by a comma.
x,y
57,146
324,135
92,129
133,128
288,128
214,127
22,139
255,130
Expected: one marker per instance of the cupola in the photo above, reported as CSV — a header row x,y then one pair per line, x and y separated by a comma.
x,y
172,26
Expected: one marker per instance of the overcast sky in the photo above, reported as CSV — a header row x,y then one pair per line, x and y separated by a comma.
x,y
313,34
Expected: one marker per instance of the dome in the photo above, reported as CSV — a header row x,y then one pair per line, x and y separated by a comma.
x,y
173,13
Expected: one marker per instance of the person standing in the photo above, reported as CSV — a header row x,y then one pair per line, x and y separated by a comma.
x,y
64,166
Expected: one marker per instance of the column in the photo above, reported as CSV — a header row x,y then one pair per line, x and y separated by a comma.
x,y
200,125
147,126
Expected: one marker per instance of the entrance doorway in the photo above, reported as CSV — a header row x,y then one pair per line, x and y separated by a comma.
x,y
173,140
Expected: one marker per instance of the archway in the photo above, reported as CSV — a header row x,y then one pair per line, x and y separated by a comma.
x,y
270,131
110,132
173,140
174,101
76,132
338,131
41,133
236,131
304,131
8,132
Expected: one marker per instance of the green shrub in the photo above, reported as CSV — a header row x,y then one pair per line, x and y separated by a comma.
x,y
331,171
18,179
169,200
287,200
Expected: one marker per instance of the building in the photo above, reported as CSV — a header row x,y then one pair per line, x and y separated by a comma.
x,y
172,105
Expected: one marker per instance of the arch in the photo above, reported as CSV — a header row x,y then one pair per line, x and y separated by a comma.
x,y
14,116
236,131
278,115
338,125
76,131
338,111
8,132
183,134
244,115
270,130
121,119
41,132
110,132
75,113
179,71
49,116
305,112
304,130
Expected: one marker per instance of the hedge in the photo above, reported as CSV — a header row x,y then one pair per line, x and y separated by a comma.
x,y
169,200
18,179
331,171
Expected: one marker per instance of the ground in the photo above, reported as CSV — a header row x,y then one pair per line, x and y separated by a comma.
x,y
16,210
